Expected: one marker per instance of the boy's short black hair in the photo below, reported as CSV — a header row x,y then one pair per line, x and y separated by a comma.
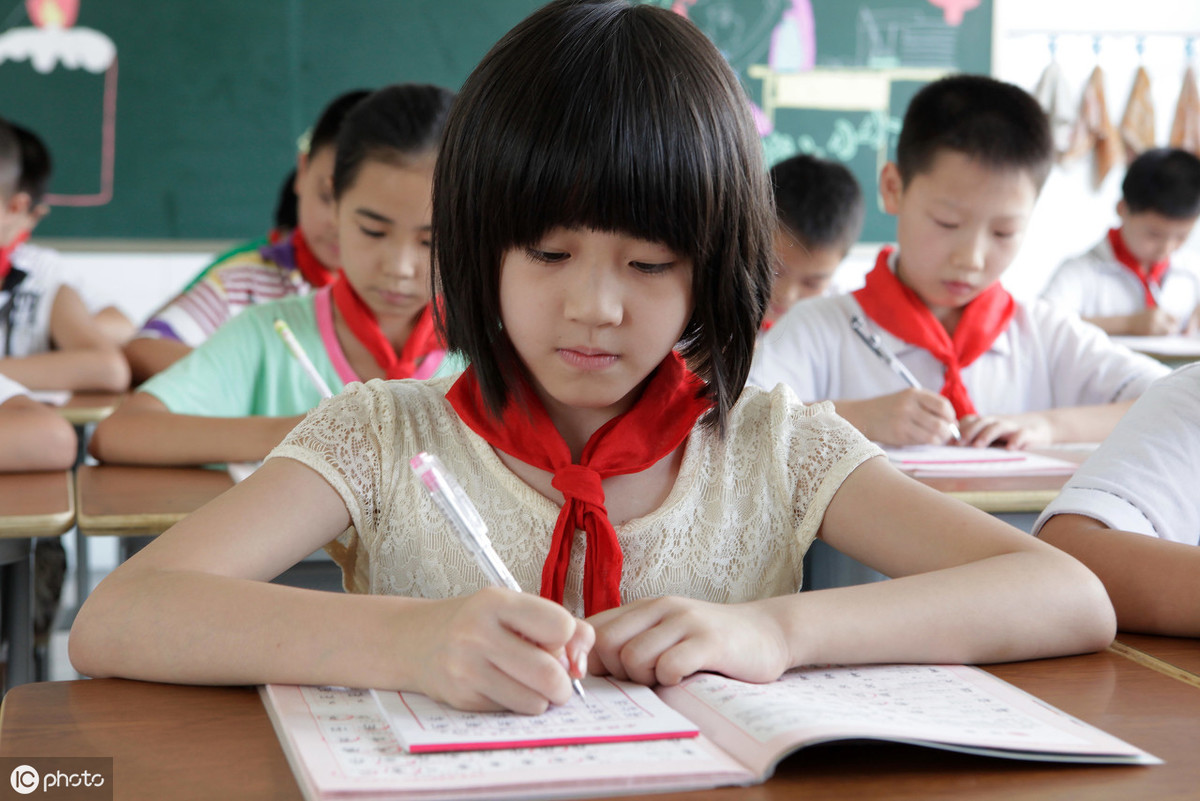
x,y
612,117
324,133
10,160
1164,180
396,124
818,201
287,211
35,165
995,123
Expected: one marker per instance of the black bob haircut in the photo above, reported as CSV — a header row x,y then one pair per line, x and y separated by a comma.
x,y
25,163
818,201
616,118
1166,181
397,124
992,122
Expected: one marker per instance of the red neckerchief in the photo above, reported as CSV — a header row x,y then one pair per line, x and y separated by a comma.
x,y
1153,278
631,442
365,327
312,269
898,310
7,251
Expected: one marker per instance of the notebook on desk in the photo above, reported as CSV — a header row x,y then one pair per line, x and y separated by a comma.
x,y
951,460
343,743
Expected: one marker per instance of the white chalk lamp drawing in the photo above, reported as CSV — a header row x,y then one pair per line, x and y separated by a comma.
x,y
54,41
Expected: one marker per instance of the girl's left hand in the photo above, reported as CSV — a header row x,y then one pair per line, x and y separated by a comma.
x,y
1014,432
665,640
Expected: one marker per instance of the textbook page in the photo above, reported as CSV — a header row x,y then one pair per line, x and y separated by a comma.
x,y
339,745
952,707
614,711
952,460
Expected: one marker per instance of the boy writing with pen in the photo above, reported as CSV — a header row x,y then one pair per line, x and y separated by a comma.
x,y
237,395
972,156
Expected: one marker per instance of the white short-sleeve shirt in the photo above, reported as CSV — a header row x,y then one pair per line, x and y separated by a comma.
x,y
25,325
1095,284
1046,358
1143,477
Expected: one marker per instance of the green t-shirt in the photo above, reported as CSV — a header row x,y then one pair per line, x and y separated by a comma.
x,y
245,369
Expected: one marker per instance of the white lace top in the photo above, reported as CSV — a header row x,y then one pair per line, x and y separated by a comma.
x,y
735,526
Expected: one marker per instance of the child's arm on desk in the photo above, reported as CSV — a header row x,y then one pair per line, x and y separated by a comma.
x,y
195,607
908,417
969,589
84,357
1154,584
143,430
1047,427
34,437
149,356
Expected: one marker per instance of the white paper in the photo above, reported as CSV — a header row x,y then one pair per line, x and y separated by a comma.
x,y
941,460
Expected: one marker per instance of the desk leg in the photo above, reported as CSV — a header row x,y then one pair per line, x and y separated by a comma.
x,y
82,564
17,614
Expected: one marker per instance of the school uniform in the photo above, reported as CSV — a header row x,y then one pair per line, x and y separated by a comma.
x,y
1142,477
245,369
1097,284
27,300
1044,358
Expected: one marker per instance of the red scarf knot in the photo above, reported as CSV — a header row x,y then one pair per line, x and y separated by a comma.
x,y
900,311
1151,280
657,423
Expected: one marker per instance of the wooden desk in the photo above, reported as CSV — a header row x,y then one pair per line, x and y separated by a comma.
x,y
124,501
203,742
1008,494
1178,657
31,505
90,407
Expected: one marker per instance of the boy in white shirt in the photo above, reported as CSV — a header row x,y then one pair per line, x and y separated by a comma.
x,y
48,338
819,207
1132,515
972,156
1135,281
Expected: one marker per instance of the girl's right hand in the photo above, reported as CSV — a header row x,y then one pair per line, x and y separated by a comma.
x,y
498,649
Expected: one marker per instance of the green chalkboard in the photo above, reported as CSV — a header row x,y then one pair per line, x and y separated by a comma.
x,y
177,119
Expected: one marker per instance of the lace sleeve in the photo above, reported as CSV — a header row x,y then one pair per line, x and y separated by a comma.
x,y
820,450
344,441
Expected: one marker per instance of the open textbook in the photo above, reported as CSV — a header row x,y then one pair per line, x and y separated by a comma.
x,y
342,743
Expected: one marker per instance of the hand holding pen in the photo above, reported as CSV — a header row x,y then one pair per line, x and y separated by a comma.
x,y
472,532
875,343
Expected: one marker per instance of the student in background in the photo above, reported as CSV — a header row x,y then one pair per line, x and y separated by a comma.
x,y
234,398
820,210
258,271
1131,512
697,499
1135,280
48,338
972,156
33,436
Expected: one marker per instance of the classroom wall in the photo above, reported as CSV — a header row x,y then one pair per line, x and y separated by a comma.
x,y
1070,215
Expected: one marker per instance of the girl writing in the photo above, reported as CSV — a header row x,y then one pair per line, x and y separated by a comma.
x,y
602,234
238,394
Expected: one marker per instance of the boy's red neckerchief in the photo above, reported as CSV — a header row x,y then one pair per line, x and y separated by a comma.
x,y
652,428
365,327
898,310
1149,279
6,253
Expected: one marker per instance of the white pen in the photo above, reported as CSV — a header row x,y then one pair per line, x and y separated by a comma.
x,y
293,345
465,520
877,347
